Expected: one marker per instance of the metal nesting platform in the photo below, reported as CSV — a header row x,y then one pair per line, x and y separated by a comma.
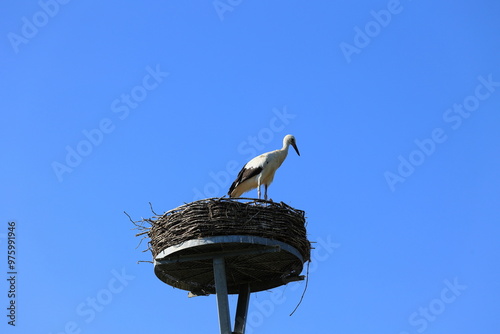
x,y
259,262
228,246
233,264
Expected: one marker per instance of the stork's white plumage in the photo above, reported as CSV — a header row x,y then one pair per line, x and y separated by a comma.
x,y
260,170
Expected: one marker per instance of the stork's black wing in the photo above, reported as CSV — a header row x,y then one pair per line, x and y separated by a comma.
x,y
243,175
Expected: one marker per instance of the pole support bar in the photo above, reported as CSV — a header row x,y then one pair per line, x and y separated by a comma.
x,y
222,297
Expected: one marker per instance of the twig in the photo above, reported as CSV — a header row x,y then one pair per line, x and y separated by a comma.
x,y
153,211
305,288
133,222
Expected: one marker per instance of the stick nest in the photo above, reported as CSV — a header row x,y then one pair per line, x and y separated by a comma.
x,y
226,216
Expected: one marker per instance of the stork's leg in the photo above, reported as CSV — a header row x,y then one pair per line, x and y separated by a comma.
x,y
265,192
258,187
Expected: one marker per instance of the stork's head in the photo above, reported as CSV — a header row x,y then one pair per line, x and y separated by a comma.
x,y
290,140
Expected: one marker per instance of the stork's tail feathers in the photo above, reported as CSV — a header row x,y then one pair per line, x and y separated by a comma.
x,y
234,193
231,190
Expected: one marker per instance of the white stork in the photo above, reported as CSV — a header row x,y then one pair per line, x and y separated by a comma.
x,y
260,170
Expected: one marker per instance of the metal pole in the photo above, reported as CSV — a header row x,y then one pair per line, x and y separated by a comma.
x,y
222,299
242,309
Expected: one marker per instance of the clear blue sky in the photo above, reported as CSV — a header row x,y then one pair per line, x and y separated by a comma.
x,y
395,106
